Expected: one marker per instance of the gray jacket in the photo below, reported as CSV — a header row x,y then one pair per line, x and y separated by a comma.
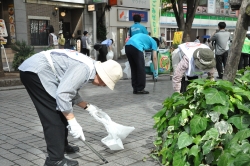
x,y
222,38
83,40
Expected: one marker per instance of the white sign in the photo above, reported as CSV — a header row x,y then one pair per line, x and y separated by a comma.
x,y
3,30
123,15
211,6
72,1
145,4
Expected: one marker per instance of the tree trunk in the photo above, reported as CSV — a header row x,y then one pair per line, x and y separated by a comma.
x,y
1,64
238,40
191,9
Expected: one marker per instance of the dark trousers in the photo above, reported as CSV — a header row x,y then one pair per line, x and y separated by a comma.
x,y
185,83
221,59
85,51
137,65
103,51
244,62
54,123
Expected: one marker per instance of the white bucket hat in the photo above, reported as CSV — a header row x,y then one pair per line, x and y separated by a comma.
x,y
110,72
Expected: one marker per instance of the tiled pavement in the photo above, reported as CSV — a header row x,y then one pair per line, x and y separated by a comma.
x,y
22,142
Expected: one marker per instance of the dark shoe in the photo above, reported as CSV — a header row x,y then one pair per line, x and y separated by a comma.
x,y
63,162
219,77
141,92
71,149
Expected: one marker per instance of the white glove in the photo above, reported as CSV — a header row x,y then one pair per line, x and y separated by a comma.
x,y
92,109
75,129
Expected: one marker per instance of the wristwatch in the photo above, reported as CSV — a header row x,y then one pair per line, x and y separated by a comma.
x,y
87,106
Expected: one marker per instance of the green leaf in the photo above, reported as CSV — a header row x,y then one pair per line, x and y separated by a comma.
x,y
180,102
184,140
214,96
225,159
179,160
194,151
240,135
226,85
242,160
240,122
207,147
198,124
209,157
221,109
197,140
160,113
211,134
222,127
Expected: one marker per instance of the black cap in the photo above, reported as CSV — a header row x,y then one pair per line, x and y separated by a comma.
x,y
85,32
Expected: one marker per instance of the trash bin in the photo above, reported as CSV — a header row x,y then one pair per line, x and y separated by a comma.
x,y
103,51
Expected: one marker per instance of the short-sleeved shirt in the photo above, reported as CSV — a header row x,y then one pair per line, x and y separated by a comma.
x,y
137,28
142,42
108,42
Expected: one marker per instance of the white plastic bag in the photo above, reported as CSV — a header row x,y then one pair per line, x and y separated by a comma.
x,y
116,132
123,51
110,55
127,70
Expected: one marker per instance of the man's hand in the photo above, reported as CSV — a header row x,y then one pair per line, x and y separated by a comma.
x,y
75,129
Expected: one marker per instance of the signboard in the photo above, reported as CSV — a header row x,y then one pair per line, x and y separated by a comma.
x,y
145,4
99,1
211,6
91,8
143,14
3,30
112,2
71,1
122,15
178,37
154,17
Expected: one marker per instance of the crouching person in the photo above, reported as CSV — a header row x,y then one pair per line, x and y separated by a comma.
x,y
195,58
52,79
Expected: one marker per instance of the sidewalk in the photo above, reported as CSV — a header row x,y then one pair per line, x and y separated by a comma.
x,y
22,142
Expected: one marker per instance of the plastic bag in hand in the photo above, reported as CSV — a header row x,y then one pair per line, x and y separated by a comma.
x,y
110,55
127,70
116,132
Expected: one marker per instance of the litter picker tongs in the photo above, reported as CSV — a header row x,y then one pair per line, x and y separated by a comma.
x,y
93,150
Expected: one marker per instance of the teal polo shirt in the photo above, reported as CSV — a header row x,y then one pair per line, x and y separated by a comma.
x,y
142,42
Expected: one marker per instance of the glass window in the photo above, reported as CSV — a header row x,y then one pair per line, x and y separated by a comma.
x,y
38,33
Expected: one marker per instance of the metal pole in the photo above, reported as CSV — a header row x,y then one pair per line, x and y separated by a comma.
x,y
1,62
94,32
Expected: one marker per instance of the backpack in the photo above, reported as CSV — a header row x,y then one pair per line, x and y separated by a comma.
x,y
55,41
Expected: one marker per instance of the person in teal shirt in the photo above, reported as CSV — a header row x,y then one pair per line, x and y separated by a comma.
x,y
134,50
137,27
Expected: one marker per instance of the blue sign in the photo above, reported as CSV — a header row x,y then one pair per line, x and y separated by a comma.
x,y
143,14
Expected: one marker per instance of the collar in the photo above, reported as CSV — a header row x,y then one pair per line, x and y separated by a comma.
x,y
92,75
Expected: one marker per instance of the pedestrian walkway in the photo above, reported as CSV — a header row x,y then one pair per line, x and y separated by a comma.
x,y
22,142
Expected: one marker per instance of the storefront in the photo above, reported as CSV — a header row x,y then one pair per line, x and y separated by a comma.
x,y
120,18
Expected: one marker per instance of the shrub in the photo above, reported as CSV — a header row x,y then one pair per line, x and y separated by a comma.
x,y
206,125
23,51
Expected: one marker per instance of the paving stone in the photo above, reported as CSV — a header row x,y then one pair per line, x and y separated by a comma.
x,y
5,162
22,141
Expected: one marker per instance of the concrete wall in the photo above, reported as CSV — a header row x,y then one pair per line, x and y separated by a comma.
x,y
20,20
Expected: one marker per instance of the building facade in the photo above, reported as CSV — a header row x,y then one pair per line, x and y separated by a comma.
x,y
27,19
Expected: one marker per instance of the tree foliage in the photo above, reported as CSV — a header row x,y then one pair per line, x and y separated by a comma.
x,y
23,51
207,125
183,23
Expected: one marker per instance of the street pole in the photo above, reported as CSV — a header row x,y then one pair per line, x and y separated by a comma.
x,y
94,33
1,62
